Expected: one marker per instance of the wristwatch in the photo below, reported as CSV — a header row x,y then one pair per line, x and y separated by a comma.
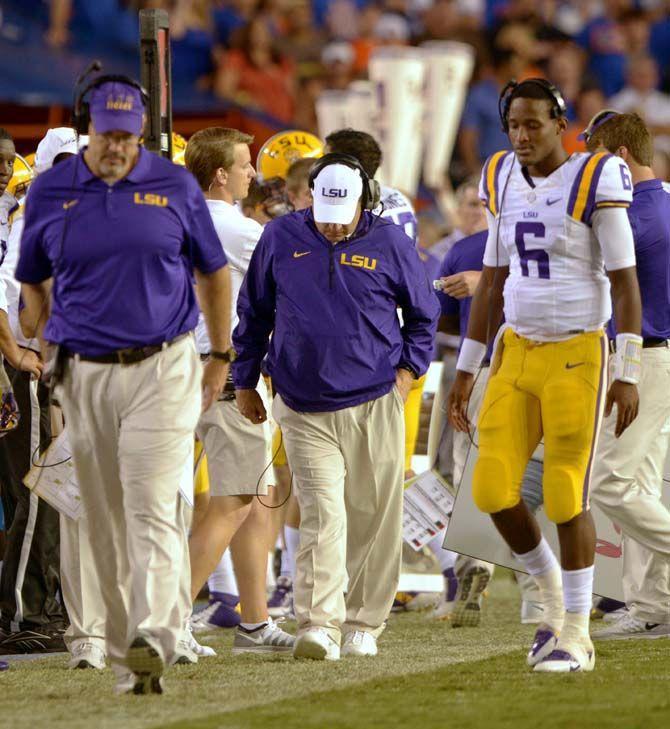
x,y
409,369
228,356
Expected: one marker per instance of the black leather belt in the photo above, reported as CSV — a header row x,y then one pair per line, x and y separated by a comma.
x,y
129,356
647,343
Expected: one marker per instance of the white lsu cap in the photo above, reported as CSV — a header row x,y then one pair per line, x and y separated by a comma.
x,y
337,190
61,140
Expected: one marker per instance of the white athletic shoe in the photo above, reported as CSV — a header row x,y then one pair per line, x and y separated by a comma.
x,y
316,643
628,626
359,643
185,655
268,639
568,657
544,643
444,610
189,650
532,612
87,655
468,604
144,660
125,683
615,615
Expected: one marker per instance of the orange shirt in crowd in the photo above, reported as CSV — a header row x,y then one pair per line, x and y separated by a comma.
x,y
270,88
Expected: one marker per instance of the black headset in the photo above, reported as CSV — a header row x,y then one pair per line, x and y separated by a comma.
x,y
371,196
81,115
558,105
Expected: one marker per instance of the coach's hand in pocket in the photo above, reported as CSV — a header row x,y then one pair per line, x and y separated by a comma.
x,y
250,404
403,381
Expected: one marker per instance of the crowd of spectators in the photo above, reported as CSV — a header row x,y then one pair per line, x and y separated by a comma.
x,y
276,56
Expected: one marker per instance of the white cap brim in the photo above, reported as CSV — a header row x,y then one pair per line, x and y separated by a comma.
x,y
340,214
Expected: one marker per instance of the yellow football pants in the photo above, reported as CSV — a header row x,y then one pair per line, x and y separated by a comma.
x,y
412,419
554,390
201,485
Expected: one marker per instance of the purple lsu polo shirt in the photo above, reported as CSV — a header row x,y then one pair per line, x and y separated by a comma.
x,y
122,256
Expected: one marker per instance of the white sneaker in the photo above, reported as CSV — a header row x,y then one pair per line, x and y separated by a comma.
x,y
568,657
125,683
201,651
628,626
532,612
468,604
444,610
87,655
316,643
268,639
544,642
185,655
359,643
615,615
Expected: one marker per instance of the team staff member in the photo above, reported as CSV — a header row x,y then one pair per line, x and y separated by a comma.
x,y
122,232
238,452
628,473
327,282
35,528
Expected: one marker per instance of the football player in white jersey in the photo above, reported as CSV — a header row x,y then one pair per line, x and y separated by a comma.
x,y
393,205
559,240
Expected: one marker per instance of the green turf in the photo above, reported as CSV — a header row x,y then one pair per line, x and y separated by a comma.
x,y
427,675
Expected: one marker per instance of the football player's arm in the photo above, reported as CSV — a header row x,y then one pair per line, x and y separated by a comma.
x,y
485,316
612,228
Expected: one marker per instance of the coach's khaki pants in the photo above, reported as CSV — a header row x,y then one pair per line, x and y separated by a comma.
x,y
80,585
348,473
627,483
131,431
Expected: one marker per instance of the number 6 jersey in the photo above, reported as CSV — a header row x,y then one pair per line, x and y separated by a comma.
x,y
543,229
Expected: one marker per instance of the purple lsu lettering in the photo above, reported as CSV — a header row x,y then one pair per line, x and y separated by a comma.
x,y
150,198
358,262
334,192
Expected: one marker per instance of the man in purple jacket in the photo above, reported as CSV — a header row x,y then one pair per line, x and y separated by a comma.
x,y
327,282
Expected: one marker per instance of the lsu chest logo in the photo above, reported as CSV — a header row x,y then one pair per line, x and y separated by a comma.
x,y
370,264
150,198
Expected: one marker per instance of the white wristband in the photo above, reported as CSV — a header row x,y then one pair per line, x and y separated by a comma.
x,y
471,355
628,358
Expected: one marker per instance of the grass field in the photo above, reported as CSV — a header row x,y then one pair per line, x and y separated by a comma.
x,y
427,675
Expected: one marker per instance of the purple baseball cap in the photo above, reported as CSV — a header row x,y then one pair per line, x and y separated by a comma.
x,y
116,107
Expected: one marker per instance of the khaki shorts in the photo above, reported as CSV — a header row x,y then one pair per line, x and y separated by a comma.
x,y
238,452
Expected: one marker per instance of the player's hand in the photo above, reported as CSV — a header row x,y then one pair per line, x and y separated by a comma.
x,y
458,399
461,285
25,360
250,404
627,402
403,381
213,381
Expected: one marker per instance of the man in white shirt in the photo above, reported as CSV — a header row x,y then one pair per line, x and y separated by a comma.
x,y
238,452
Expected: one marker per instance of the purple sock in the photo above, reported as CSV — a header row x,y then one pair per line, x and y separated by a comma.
x,y
225,597
452,584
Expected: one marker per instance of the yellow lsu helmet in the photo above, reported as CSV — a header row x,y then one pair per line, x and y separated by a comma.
x,y
178,149
283,149
22,177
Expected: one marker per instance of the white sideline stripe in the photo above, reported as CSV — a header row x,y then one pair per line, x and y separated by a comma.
x,y
32,509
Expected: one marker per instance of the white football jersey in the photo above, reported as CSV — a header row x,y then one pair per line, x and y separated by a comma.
x,y
396,207
541,228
